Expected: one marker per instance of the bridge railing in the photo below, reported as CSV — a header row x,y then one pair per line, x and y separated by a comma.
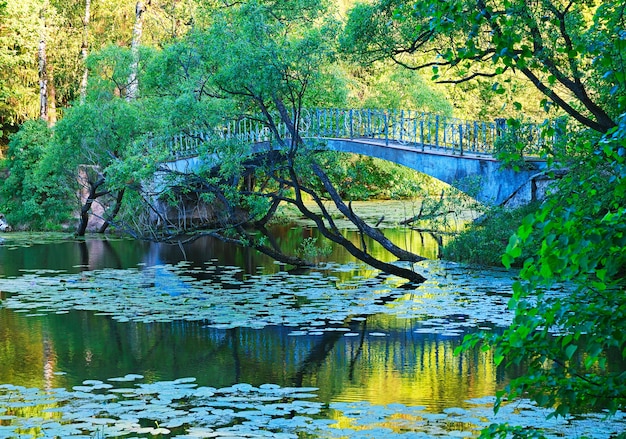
x,y
419,129
412,129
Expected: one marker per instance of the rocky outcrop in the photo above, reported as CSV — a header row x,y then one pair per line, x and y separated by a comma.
x,y
4,226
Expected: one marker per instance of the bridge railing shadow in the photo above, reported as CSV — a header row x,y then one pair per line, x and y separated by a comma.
x,y
420,130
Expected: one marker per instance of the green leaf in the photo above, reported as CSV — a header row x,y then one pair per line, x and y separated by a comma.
x,y
570,350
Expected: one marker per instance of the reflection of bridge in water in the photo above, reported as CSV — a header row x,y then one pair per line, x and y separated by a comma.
x,y
459,152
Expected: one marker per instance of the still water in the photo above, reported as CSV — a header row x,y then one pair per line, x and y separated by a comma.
x,y
354,354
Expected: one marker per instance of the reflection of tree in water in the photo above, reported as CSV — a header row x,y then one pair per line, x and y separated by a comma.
x,y
416,367
320,352
317,356
94,254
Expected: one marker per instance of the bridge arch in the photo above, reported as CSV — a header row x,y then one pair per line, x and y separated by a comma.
x,y
496,183
481,175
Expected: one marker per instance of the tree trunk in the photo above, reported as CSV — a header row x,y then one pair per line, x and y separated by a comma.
x,y
84,51
84,211
133,85
114,212
358,253
43,78
363,227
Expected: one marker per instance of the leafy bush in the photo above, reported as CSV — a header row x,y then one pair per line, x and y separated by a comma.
x,y
31,195
360,178
484,241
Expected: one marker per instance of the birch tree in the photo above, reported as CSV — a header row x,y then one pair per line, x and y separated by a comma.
x,y
19,79
133,79
84,51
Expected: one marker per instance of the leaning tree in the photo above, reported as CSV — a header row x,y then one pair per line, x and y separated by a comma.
x,y
568,50
261,61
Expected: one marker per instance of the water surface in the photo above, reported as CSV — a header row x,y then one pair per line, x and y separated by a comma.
x,y
76,312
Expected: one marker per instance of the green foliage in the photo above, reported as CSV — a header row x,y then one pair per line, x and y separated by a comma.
x,y
396,88
263,50
485,240
18,68
60,24
506,431
570,306
371,33
363,178
33,196
520,140
386,31
604,41
555,47
569,322
310,249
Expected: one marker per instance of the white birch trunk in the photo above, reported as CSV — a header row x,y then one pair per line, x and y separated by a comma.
x,y
43,79
85,51
133,84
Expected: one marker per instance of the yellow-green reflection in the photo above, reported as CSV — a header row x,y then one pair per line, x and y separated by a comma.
x,y
402,366
22,350
399,366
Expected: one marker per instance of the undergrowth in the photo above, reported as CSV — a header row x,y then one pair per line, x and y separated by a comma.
x,y
484,241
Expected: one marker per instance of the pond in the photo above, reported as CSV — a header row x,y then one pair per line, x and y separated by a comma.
x,y
121,338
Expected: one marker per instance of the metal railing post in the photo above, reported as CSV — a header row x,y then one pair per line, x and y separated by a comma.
x,y
475,143
385,118
351,128
437,132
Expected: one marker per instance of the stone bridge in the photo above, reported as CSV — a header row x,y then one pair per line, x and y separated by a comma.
x,y
458,152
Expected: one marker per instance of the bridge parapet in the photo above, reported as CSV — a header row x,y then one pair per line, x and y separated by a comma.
x,y
406,127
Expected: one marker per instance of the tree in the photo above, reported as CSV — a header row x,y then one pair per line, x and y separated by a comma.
x,y
52,36
571,344
19,100
562,48
568,330
99,139
133,85
84,51
33,195
261,61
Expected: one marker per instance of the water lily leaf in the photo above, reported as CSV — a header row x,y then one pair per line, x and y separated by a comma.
x,y
128,377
